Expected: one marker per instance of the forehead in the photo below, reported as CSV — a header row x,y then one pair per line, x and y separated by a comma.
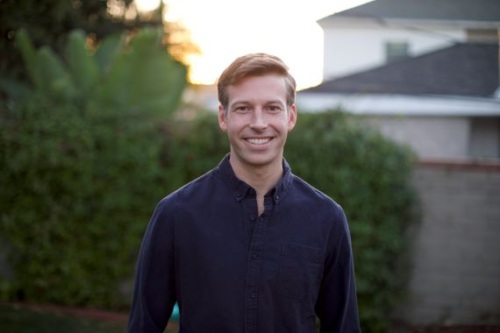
x,y
258,88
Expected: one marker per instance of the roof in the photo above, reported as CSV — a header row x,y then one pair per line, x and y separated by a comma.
x,y
465,69
448,10
397,105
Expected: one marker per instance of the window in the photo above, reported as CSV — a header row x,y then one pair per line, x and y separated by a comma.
x,y
482,35
395,51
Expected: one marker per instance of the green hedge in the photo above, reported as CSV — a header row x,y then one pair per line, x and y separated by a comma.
x,y
370,176
88,150
80,163
362,170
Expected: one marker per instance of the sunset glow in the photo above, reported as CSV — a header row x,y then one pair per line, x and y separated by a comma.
x,y
226,29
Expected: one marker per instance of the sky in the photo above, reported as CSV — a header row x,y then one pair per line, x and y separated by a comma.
x,y
226,29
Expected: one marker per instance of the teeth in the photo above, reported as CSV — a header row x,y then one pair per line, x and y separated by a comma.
x,y
258,141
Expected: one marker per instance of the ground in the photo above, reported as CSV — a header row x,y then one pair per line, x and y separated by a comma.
x,y
119,320
43,318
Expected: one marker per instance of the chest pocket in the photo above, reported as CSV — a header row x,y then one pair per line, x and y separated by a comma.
x,y
299,271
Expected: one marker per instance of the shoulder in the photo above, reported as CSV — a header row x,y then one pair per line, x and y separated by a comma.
x,y
196,191
309,195
320,208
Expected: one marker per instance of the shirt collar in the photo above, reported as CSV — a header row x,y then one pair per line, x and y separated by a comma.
x,y
240,188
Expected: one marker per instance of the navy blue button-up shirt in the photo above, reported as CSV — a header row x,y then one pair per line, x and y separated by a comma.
x,y
233,271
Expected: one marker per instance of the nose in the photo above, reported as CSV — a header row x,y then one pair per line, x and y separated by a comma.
x,y
258,120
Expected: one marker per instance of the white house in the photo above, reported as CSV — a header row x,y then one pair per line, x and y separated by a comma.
x,y
426,72
381,31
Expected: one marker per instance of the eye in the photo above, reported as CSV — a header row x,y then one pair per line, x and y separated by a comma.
x,y
274,108
241,109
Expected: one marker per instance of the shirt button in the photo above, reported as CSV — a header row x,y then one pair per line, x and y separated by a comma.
x,y
251,217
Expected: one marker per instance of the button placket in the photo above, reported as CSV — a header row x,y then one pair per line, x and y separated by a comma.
x,y
254,267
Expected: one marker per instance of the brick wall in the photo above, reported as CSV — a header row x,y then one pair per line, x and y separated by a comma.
x,y
456,246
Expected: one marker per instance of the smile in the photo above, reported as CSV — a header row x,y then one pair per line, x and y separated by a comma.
x,y
258,141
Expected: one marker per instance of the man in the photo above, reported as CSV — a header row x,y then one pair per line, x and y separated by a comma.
x,y
248,247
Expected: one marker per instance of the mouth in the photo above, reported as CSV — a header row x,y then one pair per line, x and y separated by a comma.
x,y
258,141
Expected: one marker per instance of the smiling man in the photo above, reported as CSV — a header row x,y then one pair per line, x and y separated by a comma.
x,y
248,247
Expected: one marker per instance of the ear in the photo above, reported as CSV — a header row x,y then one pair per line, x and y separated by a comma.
x,y
222,118
292,117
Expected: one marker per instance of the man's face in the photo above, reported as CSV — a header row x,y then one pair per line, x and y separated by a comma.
x,y
257,121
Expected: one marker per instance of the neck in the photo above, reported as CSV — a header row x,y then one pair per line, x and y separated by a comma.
x,y
261,178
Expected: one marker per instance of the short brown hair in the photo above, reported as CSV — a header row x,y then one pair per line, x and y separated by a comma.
x,y
254,64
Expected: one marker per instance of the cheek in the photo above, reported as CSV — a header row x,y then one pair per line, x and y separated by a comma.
x,y
235,123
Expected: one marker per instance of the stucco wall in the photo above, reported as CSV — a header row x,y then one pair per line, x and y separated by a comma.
x,y
429,137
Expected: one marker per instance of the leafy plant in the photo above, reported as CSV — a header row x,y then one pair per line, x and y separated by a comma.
x,y
80,154
50,22
368,174
85,162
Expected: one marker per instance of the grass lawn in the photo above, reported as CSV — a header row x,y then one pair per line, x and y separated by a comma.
x,y
25,319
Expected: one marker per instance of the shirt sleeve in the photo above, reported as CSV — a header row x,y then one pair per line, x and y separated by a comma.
x,y
337,307
154,289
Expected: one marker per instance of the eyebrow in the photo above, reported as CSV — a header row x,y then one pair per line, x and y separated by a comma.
x,y
245,102
277,101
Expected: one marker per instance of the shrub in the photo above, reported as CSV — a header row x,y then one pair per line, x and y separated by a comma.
x,y
84,164
81,169
370,176
365,172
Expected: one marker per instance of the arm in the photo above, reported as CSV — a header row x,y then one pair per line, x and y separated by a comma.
x,y
154,290
337,306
